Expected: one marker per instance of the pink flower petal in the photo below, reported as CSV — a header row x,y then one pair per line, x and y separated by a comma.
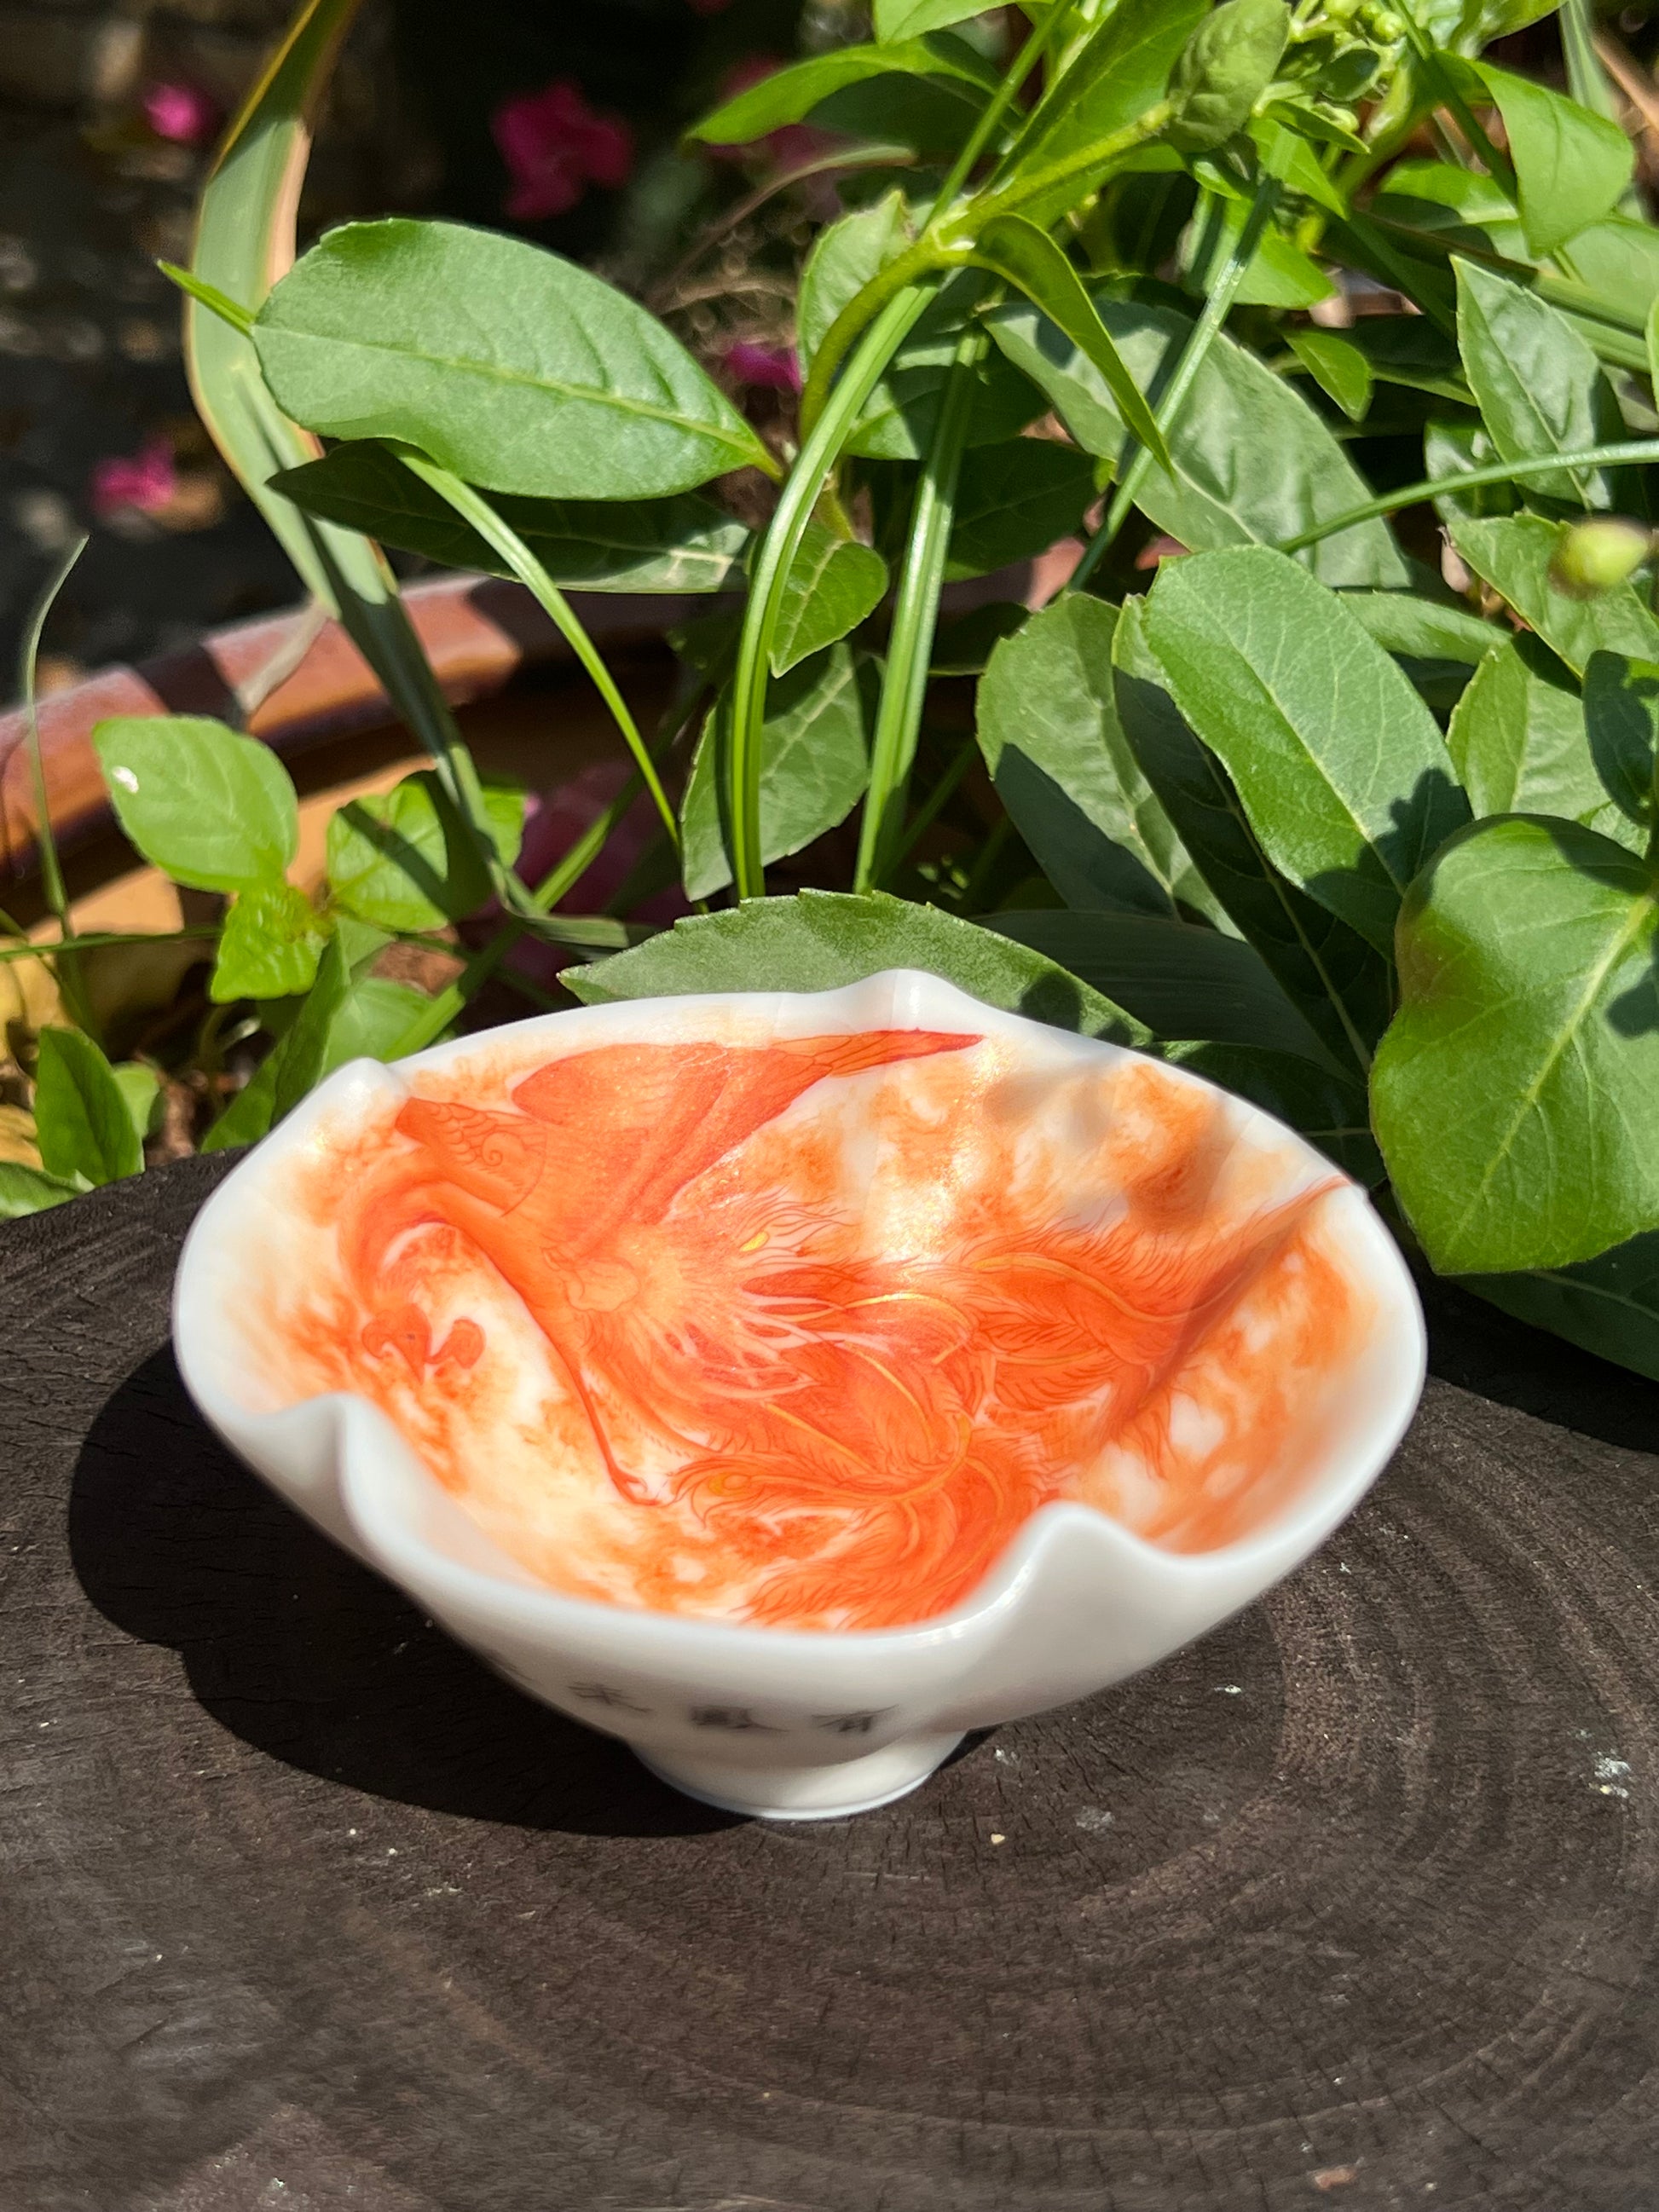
x,y
180,112
772,367
146,481
554,145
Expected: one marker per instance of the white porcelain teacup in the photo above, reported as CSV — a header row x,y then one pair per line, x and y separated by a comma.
x,y
789,1384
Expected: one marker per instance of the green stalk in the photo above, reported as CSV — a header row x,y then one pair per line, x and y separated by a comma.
x,y
1023,190
937,799
1135,460
915,617
1446,93
770,575
473,506
66,968
91,940
916,263
1004,98
1494,472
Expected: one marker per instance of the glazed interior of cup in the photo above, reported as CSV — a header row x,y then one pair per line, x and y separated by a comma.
x,y
732,1318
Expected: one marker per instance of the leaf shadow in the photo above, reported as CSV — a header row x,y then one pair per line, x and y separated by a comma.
x,y
1086,867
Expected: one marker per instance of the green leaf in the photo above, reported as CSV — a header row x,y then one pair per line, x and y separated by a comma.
x,y
82,1121
833,583
1519,741
1622,716
1451,207
908,19
1228,64
789,96
1183,981
1516,1094
823,940
1122,70
374,1018
295,1065
1014,501
898,420
1029,260
402,860
1572,166
685,544
1253,462
1411,350
1049,731
141,1088
1279,273
1540,387
269,948
30,1190
1325,1108
1339,369
962,646
1342,771
1422,629
1513,554
1340,984
214,810
814,765
515,369
1609,1305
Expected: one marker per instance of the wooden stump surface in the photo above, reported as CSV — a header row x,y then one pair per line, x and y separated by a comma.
x,y
1351,1904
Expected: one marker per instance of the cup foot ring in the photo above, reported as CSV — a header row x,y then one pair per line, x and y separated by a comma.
x,y
807,1793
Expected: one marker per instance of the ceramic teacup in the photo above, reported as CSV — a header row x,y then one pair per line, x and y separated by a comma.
x,y
788,1383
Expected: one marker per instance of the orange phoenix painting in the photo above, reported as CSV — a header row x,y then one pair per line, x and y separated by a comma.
x,y
800,1332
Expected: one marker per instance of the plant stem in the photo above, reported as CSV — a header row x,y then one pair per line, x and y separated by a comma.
x,y
1022,191
91,940
1538,465
770,575
920,261
1435,71
473,508
916,616
1004,98
1135,460
937,800
66,969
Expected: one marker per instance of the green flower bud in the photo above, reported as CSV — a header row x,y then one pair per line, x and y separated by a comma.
x,y
1226,66
1383,25
1597,556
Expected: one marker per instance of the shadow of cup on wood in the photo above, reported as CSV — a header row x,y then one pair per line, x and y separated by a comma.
x,y
309,1658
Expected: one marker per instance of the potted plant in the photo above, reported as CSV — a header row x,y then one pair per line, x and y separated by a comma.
x,y
1355,817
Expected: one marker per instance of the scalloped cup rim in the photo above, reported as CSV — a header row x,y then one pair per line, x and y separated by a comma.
x,y
386,1523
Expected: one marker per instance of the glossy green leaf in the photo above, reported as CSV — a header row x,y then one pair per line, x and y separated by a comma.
x,y
1520,743
1183,981
1030,260
1411,350
1540,387
142,1089
1014,501
1621,717
1516,1094
909,19
789,96
81,1121
1253,462
1340,370
515,369
1513,554
269,948
1609,1305
820,940
1325,1108
1279,273
1225,67
1049,731
215,811
833,584
401,859
295,1065
815,765
685,544
1451,208
1343,774
25,1190
898,420
1338,983
963,644
1422,629
1120,72
1572,166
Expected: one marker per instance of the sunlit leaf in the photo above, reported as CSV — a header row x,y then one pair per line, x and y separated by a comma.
x,y
217,811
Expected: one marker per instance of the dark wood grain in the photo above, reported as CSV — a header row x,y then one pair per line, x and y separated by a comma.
x,y
1353,1904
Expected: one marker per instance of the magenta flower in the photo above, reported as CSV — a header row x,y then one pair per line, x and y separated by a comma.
x,y
772,367
180,112
554,146
145,481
